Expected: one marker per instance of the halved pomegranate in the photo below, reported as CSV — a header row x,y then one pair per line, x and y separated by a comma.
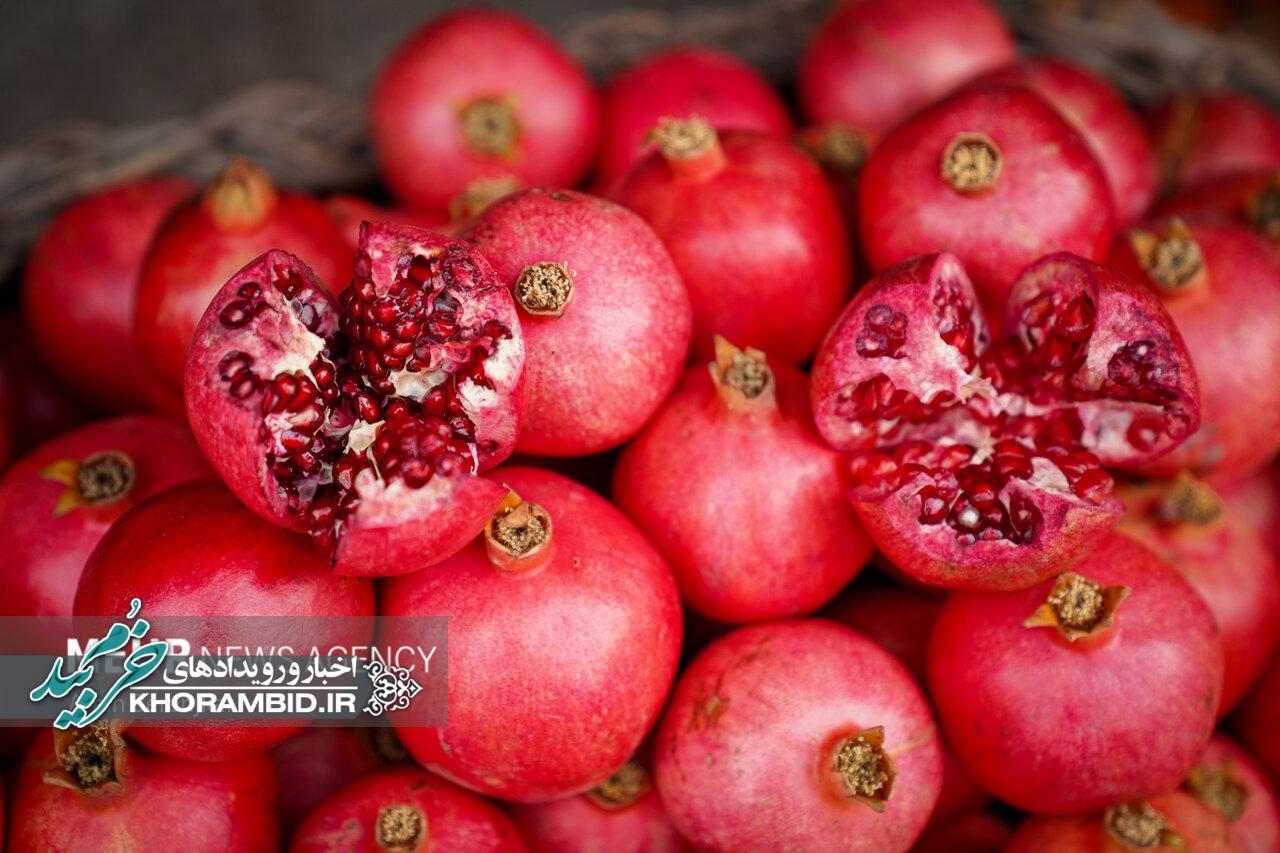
x,y
362,422
975,464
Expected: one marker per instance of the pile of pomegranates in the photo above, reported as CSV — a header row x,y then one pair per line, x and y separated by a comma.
x,y
899,477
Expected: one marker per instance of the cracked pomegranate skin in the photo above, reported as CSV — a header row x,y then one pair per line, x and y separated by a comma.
x,y
578,825
555,673
1201,830
599,370
1187,131
744,753
1056,727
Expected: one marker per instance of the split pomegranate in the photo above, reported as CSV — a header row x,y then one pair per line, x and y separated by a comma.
x,y
564,629
317,762
978,464
194,550
78,292
404,810
85,789
1228,781
1098,687
59,500
479,101
1192,147
682,83
1224,558
1250,198
351,211
992,174
605,316
362,422
239,216
741,495
1221,284
797,735
1173,822
771,276
1254,721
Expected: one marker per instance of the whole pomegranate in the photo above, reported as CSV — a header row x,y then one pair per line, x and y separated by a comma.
x,y
975,832
798,735
681,83
204,241
605,316
1221,284
1192,147
476,101
1254,721
1256,499
85,789
362,422
1098,687
563,617
194,550
841,152
874,62
773,274
1173,821
79,288
405,809
316,762
1228,781
38,408
739,492
1224,558
59,500
977,464
351,211
992,174
1249,198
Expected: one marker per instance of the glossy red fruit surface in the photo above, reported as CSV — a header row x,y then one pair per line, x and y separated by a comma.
x,y
476,98
194,550
363,422
682,83
1256,499
239,216
78,292
1191,144
802,735
992,174
739,492
604,315
563,618
1172,821
1228,781
59,500
977,464
352,211
771,276
1248,198
38,407
317,762
1098,687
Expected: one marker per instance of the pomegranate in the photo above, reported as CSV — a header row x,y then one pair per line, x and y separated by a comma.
x,y
774,274
976,832
572,633
841,152
405,809
1254,721
1224,558
59,500
38,408
1173,821
798,735
351,211
977,465
194,550
1256,499
682,83
1249,198
1098,687
1191,144
479,102
316,762
1221,284
1228,781
992,174
605,316
85,789
362,422
79,290
874,62
205,240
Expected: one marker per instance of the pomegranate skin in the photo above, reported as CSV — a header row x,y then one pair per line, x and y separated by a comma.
x,y
79,288
316,762
874,62
53,522
604,613
682,83
1200,829
1254,721
160,803
38,408
538,119
1249,198
1146,688
771,276
405,808
1229,316
350,211
1228,781
1256,499
1190,144
1048,195
743,498
598,370
580,825
976,832
194,550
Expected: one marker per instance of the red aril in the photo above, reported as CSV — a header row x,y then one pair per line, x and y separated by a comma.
x,y
1228,781
363,421
351,211
978,464
1250,198
564,629
1193,148
316,762
605,316
1174,821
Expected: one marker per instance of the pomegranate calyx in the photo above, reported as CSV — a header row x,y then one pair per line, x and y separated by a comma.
x,y
1262,209
1138,826
742,377
91,759
544,289
481,193
400,827
628,783
690,146
864,768
971,163
518,536
1218,787
241,197
1078,607
99,478
838,148
1171,259
1189,501
490,126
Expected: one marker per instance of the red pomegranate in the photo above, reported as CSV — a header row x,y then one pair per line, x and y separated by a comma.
x,y
1248,198
1254,721
38,408
1172,821
317,762
1228,781
1256,499
352,211
1191,144
841,152
975,832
